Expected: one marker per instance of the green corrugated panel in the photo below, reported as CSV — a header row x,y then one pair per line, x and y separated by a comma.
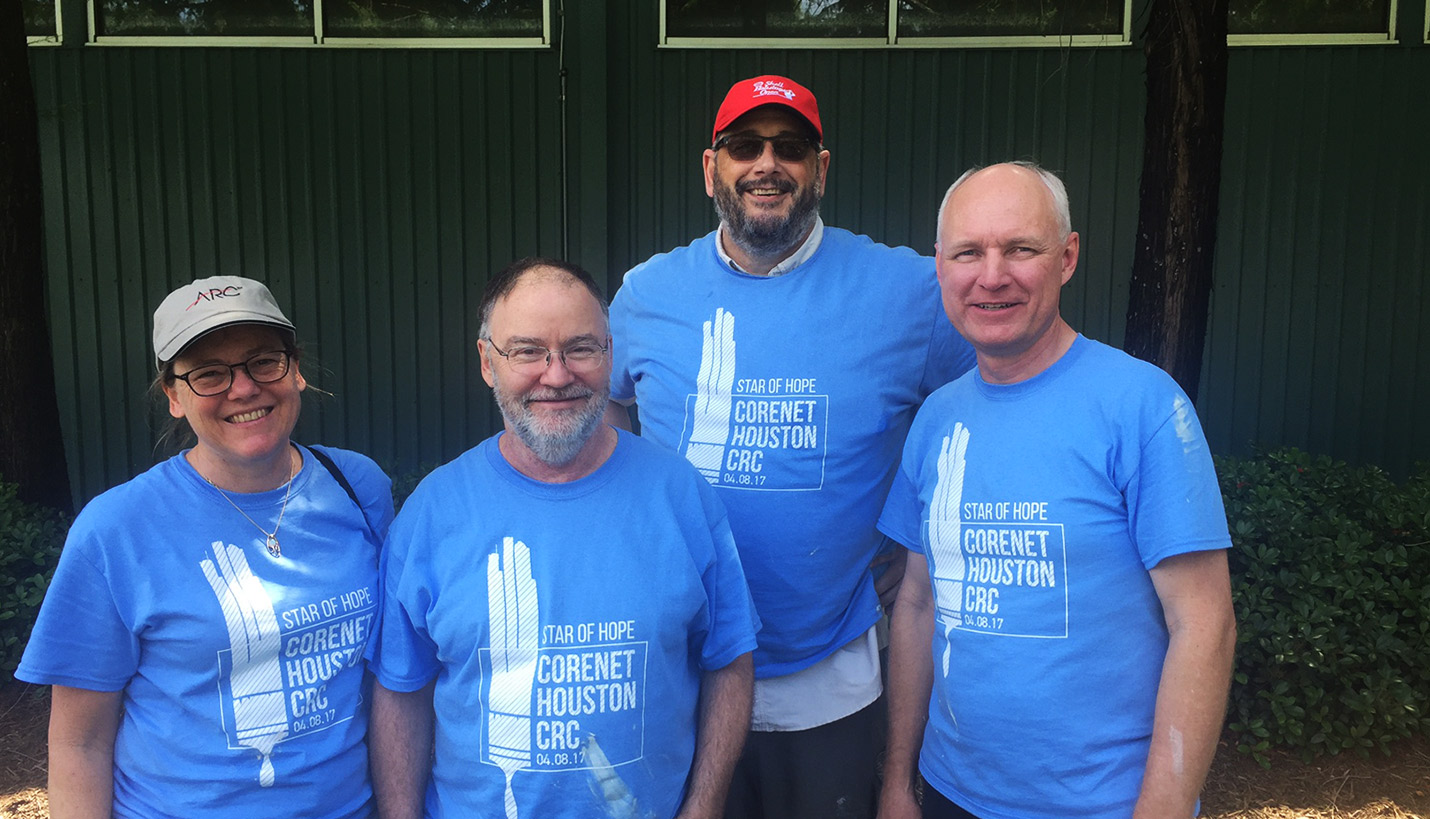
x,y
1321,292
374,190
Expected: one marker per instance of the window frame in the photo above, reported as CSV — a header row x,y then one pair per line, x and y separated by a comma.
x,y
892,40
54,39
1386,37
317,39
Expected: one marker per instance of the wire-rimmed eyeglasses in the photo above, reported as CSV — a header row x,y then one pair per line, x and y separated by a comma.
x,y
529,359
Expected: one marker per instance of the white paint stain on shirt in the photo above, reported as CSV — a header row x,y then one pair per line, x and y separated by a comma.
x,y
1182,419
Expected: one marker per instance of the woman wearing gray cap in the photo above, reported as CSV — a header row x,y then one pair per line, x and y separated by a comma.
x,y
205,629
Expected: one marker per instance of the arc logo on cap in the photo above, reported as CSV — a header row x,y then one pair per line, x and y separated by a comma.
x,y
215,293
773,88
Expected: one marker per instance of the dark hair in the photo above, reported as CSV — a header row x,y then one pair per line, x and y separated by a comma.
x,y
504,282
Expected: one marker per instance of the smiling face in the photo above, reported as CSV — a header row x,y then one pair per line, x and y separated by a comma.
x,y
767,205
244,430
1002,262
555,412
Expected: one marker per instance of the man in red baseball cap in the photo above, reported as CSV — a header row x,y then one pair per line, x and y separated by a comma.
x,y
767,197
785,359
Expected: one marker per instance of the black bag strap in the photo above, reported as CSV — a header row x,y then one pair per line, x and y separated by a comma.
x,y
332,467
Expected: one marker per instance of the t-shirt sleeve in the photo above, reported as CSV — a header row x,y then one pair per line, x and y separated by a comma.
x,y
80,639
1174,501
949,356
405,658
902,518
731,620
370,483
623,387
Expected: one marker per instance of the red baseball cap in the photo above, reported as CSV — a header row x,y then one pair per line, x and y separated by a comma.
x,y
747,95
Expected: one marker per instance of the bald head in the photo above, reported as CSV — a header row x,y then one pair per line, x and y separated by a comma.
x,y
1004,253
1057,192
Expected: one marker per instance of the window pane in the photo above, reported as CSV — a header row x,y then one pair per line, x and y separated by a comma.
x,y
209,18
1008,18
777,18
39,18
1308,16
432,18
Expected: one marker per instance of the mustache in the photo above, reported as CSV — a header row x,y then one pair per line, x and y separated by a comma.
x,y
778,183
571,392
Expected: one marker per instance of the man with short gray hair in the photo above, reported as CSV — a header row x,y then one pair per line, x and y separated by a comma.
x,y
1062,641
566,629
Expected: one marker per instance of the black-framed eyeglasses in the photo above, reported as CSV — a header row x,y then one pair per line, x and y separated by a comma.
x,y
747,147
528,359
215,379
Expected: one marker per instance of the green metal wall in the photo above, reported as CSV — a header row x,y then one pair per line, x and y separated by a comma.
x,y
1319,316
376,189
372,190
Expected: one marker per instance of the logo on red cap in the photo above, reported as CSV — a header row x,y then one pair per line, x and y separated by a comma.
x,y
773,88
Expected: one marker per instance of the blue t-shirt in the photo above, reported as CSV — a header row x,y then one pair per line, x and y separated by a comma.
x,y
567,626
1041,506
242,672
792,395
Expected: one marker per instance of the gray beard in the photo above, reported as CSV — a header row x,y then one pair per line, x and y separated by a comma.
x,y
557,447
766,237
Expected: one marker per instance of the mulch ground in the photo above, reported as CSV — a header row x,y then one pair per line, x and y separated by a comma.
x,y
24,722
1345,787
1396,786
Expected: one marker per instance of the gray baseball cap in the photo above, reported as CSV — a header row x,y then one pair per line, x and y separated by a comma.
x,y
205,305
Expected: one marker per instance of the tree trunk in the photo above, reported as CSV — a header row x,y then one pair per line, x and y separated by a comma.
x,y
1181,179
31,450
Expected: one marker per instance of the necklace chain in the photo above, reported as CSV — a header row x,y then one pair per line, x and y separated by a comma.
x,y
270,541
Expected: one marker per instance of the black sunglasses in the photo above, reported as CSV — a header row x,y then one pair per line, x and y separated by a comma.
x,y
747,147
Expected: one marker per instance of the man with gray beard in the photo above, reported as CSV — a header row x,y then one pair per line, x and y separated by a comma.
x,y
785,359
524,665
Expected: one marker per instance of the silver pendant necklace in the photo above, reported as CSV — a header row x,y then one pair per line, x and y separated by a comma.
x,y
270,539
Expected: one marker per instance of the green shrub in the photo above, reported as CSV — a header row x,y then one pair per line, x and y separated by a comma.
x,y
403,483
1330,573
30,541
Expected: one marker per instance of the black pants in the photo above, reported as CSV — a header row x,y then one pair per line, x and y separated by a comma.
x,y
826,772
937,806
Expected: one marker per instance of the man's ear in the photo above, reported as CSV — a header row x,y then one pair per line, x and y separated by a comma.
x,y
1070,252
707,166
485,356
